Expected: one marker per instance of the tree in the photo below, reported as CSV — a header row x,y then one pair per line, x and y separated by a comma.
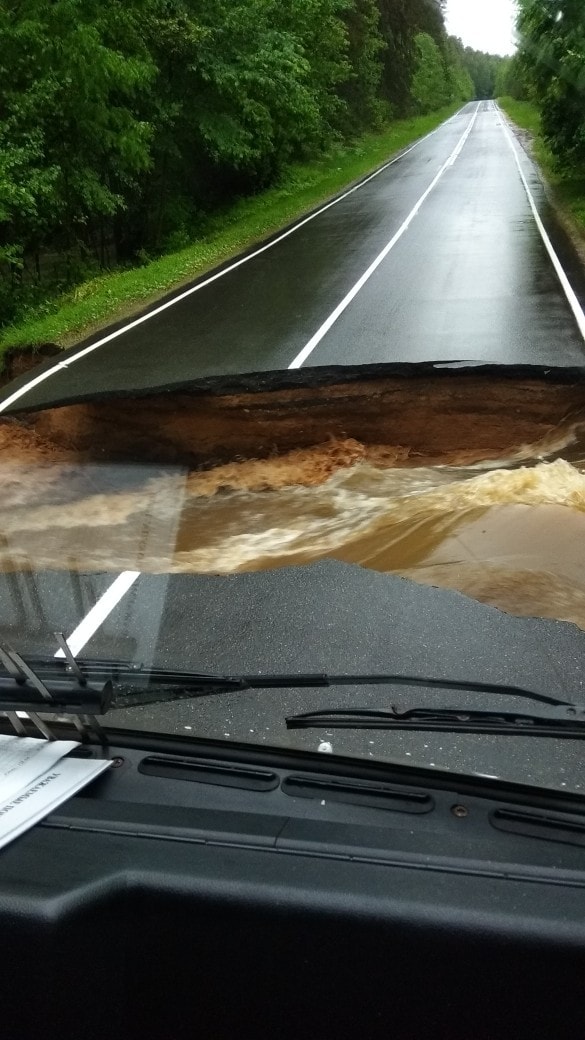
x,y
460,84
361,92
401,21
511,79
483,70
430,87
71,69
552,51
399,55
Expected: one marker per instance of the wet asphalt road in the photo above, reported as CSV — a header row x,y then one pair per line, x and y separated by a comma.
x,y
470,280
326,617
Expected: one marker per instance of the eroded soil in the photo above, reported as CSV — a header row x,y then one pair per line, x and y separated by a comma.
x,y
466,480
453,419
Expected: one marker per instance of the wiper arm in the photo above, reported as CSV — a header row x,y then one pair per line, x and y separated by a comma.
x,y
557,721
97,686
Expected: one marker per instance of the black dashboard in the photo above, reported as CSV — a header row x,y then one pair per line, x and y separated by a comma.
x,y
201,889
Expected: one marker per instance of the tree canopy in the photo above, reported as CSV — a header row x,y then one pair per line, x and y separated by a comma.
x,y
124,122
551,64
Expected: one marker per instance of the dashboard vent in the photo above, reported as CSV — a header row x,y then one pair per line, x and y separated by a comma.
x,y
540,825
374,795
205,772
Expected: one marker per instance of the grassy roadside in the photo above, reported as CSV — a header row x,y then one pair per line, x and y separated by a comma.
x,y
94,304
568,189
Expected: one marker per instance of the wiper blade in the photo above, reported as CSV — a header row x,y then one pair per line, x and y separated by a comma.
x,y
557,721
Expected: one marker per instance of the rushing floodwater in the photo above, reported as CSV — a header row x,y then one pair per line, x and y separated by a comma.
x,y
512,537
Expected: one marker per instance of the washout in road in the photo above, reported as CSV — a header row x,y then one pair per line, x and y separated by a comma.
x,y
449,254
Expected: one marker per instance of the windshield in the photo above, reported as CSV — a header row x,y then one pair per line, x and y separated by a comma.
x,y
293,348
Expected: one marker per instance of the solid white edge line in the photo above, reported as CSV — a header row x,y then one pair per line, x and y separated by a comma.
x,y
567,287
341,307
43,376
99,612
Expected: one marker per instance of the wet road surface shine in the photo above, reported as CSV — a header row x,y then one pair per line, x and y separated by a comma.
x,y
484,284
470,279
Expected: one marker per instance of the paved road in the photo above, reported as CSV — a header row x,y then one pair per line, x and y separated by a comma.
x,y
326,617
468,278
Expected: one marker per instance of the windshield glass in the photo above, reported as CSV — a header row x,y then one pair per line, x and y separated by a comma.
x,y
293,344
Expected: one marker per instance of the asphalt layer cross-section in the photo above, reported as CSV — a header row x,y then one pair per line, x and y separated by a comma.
x,y
469,280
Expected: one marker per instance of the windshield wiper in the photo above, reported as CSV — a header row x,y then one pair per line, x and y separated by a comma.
x,y
560,720
73,686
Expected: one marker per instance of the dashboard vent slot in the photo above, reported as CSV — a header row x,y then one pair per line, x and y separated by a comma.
x,y
373,795
204,772
539,825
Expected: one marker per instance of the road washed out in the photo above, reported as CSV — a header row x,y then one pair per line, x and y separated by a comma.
x,y
500,519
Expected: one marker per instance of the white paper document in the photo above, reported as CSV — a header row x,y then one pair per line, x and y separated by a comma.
x,y
35,778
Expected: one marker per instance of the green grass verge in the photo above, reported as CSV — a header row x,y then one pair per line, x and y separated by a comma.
x,y
569,188
93,304
523,113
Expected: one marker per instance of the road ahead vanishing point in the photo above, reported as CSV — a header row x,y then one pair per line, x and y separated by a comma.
x,y
437,256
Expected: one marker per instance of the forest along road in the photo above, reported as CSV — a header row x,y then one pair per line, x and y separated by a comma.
x,y
436,257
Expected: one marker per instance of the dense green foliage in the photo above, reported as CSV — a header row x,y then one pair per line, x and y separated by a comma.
x,y
483,70
552,62
440,74
512,79
429,84
125,124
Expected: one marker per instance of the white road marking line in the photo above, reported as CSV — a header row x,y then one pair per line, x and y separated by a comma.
x,y
99,612
568,289
341,307
43,376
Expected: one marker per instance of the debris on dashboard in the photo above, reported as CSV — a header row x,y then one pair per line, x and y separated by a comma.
x,y
471,479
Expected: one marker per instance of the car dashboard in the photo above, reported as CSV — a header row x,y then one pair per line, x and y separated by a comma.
x,y
208,889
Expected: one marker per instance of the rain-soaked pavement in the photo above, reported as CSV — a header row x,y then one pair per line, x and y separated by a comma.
x,y
326,617
470,280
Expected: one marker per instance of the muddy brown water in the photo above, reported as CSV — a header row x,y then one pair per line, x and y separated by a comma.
x,y
509,536
507,528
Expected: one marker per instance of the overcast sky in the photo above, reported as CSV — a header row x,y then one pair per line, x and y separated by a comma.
x,y
486,25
